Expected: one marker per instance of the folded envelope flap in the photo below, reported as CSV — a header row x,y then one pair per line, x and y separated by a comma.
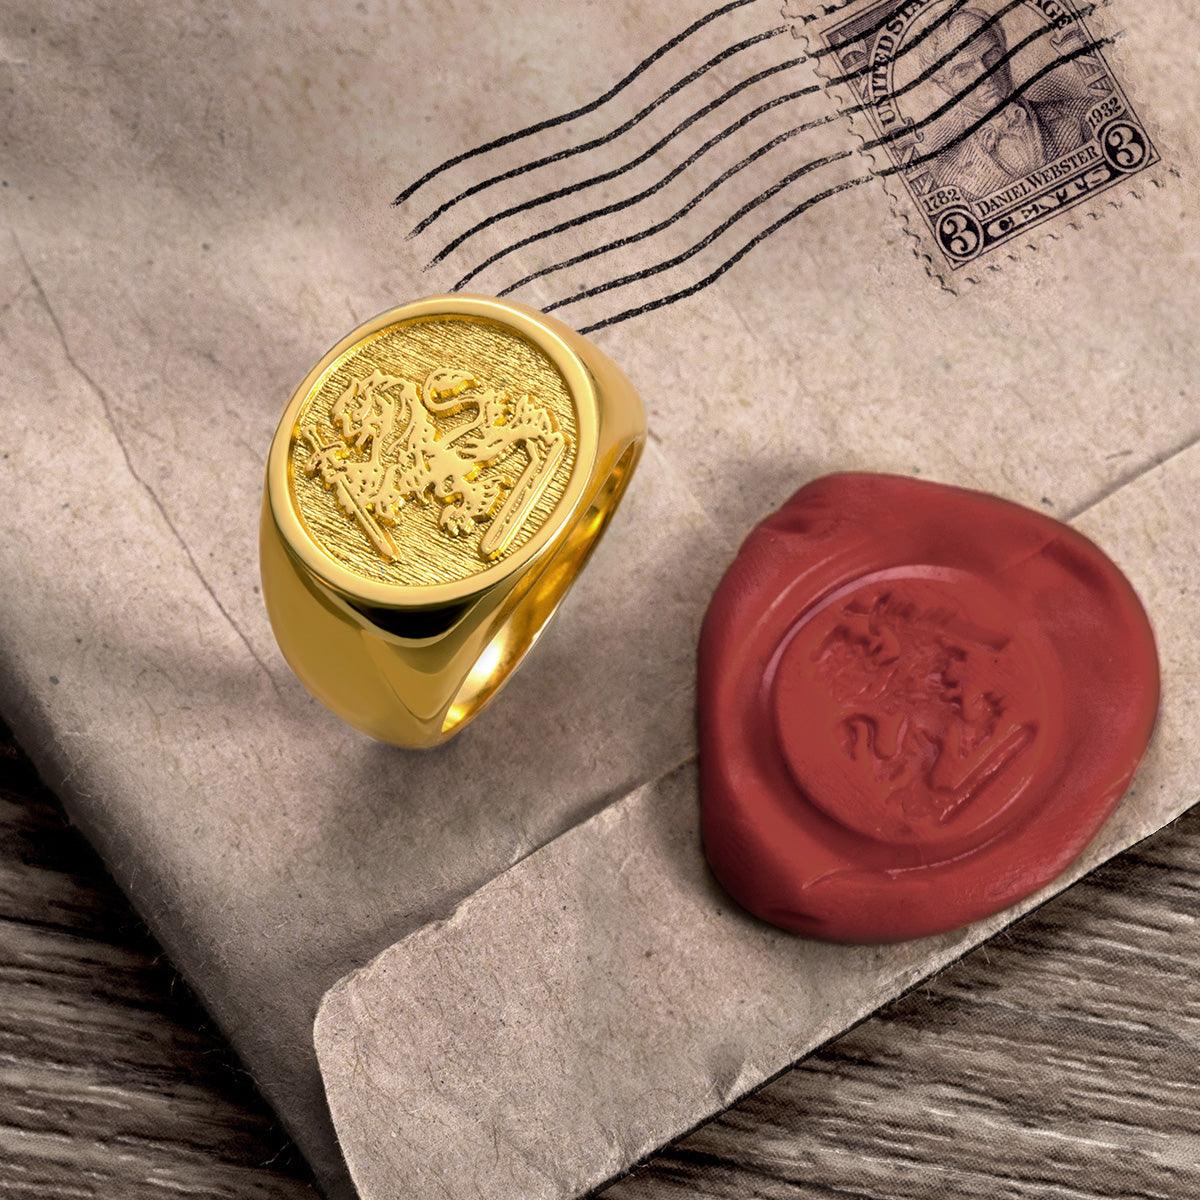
x,y
604,995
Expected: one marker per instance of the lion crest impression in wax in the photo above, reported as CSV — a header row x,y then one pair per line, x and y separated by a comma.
x,y
917,705
937,715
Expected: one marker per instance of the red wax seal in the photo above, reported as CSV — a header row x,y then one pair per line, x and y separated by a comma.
x,y
918,704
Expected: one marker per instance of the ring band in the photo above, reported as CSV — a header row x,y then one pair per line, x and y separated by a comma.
x,y
436,484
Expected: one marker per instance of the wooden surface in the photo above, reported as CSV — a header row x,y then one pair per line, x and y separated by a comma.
x,y
1060,1061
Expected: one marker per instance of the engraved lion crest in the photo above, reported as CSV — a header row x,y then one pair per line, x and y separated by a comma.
x,y
393,443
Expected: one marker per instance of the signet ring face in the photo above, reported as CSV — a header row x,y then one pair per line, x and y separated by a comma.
x,y
435,485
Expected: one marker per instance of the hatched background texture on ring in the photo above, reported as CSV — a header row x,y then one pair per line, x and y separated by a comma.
x,y
196,206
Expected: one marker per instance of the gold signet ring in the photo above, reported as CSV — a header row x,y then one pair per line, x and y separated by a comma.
x,y
436,483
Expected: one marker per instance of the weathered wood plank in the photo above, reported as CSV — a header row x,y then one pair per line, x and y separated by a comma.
x,y
1060,1061
112,1082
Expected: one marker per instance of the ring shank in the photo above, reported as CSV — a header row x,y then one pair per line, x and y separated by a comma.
x,y
532,612
415,677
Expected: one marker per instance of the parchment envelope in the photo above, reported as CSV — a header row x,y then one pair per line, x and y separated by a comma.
x,y
503,963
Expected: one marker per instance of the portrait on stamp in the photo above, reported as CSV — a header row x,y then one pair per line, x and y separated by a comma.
x,y
996,116
1018,134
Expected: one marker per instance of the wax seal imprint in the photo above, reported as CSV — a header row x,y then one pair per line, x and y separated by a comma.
x,y
917,706
434,487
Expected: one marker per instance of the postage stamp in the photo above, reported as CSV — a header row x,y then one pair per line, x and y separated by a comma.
x,y
996,116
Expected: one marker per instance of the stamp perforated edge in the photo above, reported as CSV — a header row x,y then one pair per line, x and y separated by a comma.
x,y
805,20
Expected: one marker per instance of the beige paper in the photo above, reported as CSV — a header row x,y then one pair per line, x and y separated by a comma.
x,y
197,204
605,995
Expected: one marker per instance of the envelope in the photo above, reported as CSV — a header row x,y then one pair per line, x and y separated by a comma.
x,y
948,238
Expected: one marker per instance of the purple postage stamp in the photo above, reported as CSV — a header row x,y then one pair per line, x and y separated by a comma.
x,y
996,115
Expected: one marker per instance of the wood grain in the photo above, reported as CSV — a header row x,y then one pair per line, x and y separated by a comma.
x,y
1060,1061
112,1082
